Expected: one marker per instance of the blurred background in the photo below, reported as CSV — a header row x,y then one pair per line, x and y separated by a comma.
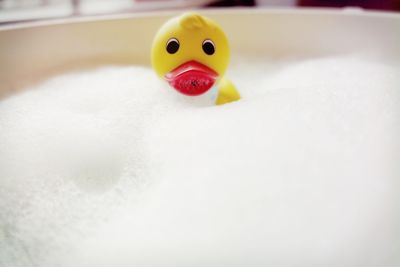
x,y
12,11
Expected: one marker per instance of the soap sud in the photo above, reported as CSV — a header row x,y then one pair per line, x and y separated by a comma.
x,y
110,167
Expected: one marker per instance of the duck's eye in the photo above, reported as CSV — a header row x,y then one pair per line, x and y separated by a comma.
x,y
172,45
208,47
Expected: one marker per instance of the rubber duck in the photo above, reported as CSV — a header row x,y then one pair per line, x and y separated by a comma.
x,y
191,53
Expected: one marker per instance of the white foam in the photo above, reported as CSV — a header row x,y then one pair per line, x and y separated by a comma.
x,y
109,167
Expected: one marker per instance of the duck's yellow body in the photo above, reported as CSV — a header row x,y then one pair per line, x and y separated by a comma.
x,y
191,53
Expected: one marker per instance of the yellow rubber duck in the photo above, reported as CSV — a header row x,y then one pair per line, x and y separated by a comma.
x,y
191,53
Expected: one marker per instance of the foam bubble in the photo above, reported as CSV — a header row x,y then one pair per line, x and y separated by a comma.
x,y
109,167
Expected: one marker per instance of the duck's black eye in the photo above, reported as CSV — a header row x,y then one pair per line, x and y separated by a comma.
x,y
208,47
172,45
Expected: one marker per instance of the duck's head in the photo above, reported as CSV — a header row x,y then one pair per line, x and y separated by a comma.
x,y
190,52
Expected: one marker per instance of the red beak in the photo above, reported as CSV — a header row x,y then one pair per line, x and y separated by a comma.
x,y
192,78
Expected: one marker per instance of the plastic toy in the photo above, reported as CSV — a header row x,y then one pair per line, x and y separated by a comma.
x,y
191,53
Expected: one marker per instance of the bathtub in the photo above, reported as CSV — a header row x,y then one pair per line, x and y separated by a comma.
x,y
206,223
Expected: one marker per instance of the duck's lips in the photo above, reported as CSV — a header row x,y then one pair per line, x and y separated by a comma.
x,y
192,78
